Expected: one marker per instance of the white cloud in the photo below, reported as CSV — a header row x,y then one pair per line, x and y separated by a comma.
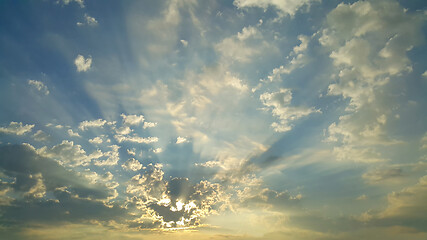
x,y
131,151
40,136
94,123
83,64
90,21
298,59
424,75
38,190
39,85
149,124
136,139
96,140
280,105
72,133
68,153
112,157
132,165
66,2
239,48
184,42
132,119
181,140
17,128
367,48
285,7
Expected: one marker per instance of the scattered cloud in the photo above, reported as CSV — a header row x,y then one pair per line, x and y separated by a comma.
x,y
17,128
132,165
89,124
39,85
181,140
72,133
88,20
280,105
83,64
285,7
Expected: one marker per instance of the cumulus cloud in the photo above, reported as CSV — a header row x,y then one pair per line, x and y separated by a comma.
x,y
181,140
132,165
132,119
149,125
17,128
96,140
94,123
280,105
184,42
112,157
88,20
40,136
424,75
68,153
136,139
285,7
71,133
66,2
39,85
298,59
367,47
243,46
83,64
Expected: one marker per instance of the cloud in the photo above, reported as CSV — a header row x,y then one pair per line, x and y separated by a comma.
x,y
40,136
39,85
132,119
241,47
136,139
381,175
66,2
424,75
298,59
96,140
184,42
181,140
367,47
17,128
132,165
72,134
94,123
68,153
285,7
280,105
112,157
83,64
149,125
90,21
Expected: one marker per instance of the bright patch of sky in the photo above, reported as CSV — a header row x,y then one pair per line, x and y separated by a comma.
x,y
214,120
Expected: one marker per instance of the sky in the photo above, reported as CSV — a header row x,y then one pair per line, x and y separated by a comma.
x,y
222,119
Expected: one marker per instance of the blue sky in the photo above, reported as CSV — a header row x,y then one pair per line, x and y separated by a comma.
x,y
213,119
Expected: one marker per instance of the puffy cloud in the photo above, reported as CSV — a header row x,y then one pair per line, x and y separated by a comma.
x,y
68,153
424,75
181,140
184,42
132,165
280,105
241,47
136,139
66,2
17,128
88,20
83,64
112,157
367,47
96,140
38,190
40,136
285,7
298,59
149,125
39,85
94,123
132,119
72,133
